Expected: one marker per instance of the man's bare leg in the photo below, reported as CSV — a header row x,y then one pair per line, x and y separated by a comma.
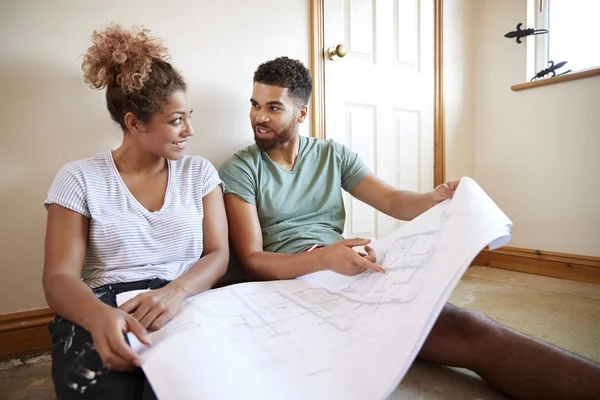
x,y
518,365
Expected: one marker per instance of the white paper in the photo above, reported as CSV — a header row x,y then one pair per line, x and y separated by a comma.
x,y
324,335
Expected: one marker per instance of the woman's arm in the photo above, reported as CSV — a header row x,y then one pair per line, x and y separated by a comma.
x,y
213,264
154,308
69,297
66,242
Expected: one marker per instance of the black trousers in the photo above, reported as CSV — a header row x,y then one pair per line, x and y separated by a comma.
x,y
78,371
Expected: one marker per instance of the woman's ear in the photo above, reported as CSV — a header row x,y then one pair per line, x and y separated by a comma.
x,y
133,124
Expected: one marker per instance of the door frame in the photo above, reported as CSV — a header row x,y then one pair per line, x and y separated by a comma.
x,y
317,63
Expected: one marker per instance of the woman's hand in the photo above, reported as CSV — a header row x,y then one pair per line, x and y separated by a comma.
x,y
154,308
108,329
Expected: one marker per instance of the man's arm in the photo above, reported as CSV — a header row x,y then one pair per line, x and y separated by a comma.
x,y
246,241
400,204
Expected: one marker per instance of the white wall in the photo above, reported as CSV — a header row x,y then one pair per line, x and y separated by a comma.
x,y
537,152
48,116
459,87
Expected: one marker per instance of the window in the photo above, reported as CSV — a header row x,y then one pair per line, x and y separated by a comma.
x,y
574,36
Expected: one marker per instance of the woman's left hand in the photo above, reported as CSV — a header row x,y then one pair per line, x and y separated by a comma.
x,y
155,308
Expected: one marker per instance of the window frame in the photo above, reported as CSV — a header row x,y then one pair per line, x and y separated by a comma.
x,y
542,42
537,58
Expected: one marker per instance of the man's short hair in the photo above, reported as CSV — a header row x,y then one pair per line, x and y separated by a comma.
x,y
287,73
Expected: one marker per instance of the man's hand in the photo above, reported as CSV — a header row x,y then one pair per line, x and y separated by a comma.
x,y
444,191
369,255
340,258
154,308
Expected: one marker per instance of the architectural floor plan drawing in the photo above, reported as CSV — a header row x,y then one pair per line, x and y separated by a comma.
x,y
324,335
402,260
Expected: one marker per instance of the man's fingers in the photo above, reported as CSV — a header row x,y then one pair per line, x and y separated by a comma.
x,y
450,188
371,256
121,348
377,268
373,267
370,250
134,326
445,192
355,242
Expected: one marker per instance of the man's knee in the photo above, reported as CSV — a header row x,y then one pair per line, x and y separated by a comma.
x,y
465,325
458,337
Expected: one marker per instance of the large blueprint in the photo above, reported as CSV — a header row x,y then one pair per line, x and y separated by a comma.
x,y
325,336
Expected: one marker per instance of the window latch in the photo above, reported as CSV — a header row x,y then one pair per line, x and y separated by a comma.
x,y
521,33
551,70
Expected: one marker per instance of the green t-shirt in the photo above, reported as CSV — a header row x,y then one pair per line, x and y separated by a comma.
x,y
300,208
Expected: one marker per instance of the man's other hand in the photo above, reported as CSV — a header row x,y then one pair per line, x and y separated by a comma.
x,y
444,191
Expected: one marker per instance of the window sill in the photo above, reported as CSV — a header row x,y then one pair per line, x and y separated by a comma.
x,y
586,73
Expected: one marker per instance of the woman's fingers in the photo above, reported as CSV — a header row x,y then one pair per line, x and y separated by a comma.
x,y
111,359
145,306
151,316
134,326
119,346
131,304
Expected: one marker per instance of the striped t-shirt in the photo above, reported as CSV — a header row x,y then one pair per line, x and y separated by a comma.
x,y
126,242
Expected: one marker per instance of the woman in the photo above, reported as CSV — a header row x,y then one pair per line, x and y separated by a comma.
x,y
143,216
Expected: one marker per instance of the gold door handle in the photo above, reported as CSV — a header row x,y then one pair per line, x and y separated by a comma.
x,y
338,50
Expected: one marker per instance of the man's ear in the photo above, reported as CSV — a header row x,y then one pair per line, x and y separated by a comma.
x,y
133,124
303,113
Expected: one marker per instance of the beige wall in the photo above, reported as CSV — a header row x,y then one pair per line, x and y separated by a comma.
x,y
459,87
537,152
48,116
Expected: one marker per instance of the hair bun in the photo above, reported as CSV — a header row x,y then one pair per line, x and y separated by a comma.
x,y
121,57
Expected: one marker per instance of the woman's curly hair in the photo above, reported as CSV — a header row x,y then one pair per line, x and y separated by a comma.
x,y
133,67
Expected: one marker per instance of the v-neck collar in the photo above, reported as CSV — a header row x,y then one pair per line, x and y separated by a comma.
x,y
301,147
166,199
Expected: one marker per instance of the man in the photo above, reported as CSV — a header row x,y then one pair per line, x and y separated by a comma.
x,y
284,198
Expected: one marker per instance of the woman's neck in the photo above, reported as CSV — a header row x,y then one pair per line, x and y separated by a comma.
x,y
131,157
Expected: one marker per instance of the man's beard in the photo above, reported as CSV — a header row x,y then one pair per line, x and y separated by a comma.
x,y
279,139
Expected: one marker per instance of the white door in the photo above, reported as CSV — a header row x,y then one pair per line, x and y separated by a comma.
x,y
379,97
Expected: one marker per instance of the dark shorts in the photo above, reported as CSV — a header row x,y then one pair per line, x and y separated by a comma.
x,y
78,371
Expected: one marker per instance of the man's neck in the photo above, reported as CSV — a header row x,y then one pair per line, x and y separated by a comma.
x,y
286,155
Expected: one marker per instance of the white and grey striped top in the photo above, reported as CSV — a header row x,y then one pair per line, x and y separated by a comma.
x,y
126,242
